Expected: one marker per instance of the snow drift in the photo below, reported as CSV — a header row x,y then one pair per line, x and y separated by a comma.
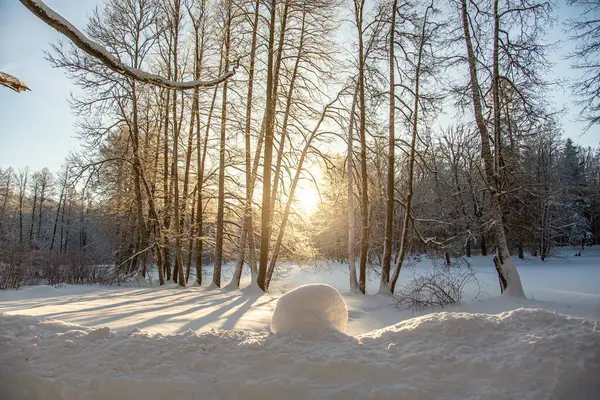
x,y
524,354
313,311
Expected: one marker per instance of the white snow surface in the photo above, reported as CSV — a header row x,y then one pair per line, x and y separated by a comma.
x,y
144,342
315,311
524,354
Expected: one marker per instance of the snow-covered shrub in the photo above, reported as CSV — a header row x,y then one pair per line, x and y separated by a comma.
x,y
313,311
439,287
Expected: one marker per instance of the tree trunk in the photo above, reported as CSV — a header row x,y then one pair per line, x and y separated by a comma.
x,y
364,248
175,173
199,204
22,194
282,32
391,175
222,145
411,161
60,201
351,206
166,245
265,231
505,266
235,280
35,196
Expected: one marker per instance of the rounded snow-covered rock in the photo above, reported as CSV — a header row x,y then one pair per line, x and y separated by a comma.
x,y
314,311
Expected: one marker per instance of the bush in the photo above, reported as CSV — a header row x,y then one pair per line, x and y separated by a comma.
x,y
34,267
442,286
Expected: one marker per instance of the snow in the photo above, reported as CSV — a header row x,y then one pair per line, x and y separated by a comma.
x,y
138,342
524,353
313,311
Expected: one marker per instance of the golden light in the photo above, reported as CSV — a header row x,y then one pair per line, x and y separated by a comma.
x,y
307,199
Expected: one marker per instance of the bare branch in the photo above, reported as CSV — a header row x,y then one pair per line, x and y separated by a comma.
x,y
92,48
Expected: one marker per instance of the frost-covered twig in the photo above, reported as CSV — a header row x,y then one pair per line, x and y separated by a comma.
x,y
56,21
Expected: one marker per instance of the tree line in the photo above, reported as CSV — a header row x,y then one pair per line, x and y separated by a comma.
x,y
428,120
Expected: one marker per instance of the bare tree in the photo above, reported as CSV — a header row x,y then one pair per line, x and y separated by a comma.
x,y
585,32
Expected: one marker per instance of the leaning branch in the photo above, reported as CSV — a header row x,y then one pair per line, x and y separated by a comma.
x,y
92,48
12,82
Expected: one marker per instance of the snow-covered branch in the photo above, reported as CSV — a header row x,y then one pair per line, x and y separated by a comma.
x,y
12,82
92,48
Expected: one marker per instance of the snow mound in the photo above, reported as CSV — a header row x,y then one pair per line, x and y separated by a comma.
x,y
525,354
314,311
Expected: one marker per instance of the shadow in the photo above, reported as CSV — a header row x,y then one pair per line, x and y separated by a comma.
x,y
168,310
211,317
352,315
237,315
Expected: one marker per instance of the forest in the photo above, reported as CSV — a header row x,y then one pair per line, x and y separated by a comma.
x,y
358,131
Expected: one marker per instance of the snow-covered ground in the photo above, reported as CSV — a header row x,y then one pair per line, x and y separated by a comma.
x,y
92,342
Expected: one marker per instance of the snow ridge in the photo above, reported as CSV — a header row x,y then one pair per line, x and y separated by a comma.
x,y
525,354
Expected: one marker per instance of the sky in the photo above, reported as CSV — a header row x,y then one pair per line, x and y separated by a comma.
x,y
37,128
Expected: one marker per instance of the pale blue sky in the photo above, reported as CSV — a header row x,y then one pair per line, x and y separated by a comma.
x,y
37,127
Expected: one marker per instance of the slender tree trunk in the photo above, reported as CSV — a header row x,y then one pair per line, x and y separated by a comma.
x,y
42,199
188,261
199,204
137,167
60,201
178,274
222,148
364,248
235,280
166,249
391,174
35,196
22,193
282,33
5,201
199,31
411,160
188,161
197,222
506,268
265,232
351,206
68,204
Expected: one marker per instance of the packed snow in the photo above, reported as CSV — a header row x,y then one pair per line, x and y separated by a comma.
x,y
145,342
313,311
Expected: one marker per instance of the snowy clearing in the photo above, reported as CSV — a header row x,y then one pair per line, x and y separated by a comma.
x,y
569,285
93,342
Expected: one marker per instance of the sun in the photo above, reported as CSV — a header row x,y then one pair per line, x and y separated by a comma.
x,y
307,200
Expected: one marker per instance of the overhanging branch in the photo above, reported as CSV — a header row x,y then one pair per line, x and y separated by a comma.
x,y
92,48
